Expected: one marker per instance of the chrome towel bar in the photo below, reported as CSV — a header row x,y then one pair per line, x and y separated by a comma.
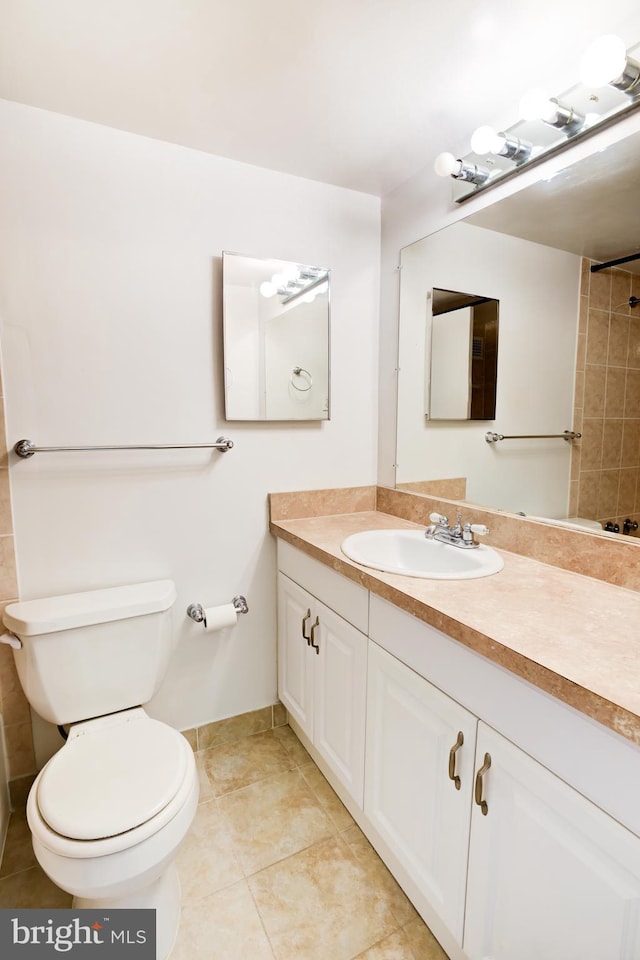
x,y
567,435
27,448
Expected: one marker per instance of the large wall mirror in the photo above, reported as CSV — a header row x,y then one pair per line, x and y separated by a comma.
x,y
569,349
276,339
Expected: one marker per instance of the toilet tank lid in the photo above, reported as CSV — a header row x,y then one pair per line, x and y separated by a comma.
x,y
52,614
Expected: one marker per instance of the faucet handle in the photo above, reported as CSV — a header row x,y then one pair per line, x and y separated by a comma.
x,y
478,528
439,519
470,529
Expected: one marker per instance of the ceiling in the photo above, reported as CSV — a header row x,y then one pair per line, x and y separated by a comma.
x,y
359,93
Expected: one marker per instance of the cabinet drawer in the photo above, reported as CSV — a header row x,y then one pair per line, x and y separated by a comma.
x,y
348,599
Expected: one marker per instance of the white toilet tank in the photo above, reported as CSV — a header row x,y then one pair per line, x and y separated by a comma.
x,y
88,654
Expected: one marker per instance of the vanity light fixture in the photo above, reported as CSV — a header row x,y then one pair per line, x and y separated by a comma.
x,y
313,284
486,140
549,124
605,61
446,165
292,284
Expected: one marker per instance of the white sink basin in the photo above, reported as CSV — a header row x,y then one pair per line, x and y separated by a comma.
x,y
409,553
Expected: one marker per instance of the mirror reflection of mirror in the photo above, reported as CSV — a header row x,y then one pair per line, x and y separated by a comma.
x,y
463,362
276,339
569,349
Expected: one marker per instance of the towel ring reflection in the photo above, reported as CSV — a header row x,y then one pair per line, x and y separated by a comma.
x,y
301,372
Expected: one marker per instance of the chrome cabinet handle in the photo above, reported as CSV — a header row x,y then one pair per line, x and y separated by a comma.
x,y
315,646
306,617
479,784
452,760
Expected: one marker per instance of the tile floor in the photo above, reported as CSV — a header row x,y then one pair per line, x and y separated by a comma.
x,y
274,867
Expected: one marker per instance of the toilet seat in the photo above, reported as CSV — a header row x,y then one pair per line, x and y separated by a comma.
x,y
116,781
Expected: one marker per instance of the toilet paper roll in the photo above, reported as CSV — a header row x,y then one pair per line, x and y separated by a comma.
x,y
216,618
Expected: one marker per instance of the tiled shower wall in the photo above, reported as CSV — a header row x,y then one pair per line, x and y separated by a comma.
x,y
606,462
13,704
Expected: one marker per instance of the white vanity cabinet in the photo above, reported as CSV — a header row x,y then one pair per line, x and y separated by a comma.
x,y
322,666
550,874
511,820
419,777
518,864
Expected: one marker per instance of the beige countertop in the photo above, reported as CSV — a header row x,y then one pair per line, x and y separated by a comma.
x,y
575,637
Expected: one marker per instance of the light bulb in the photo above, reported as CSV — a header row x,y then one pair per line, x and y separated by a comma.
x,y
278,280
538,105
603,61
267,289
446,165
486,140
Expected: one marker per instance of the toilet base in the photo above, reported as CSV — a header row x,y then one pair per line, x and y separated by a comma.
x,y
163,896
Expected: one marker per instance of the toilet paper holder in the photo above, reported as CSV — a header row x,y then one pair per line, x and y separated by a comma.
x,y
196,610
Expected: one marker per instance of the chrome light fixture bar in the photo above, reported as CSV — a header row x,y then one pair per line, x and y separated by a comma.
x,y
609,89
314,283
294,284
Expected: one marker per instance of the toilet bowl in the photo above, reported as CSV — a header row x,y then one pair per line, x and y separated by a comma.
x,y
109,811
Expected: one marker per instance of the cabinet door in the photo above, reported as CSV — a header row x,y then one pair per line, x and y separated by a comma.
x,y
295,662
340,693
409,796
550,875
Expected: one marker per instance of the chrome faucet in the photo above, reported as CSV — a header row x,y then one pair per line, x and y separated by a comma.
x,y
459,536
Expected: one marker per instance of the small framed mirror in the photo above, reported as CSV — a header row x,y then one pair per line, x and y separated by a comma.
x,y
462,363
276,339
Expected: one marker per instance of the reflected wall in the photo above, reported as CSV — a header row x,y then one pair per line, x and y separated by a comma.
x,y
538,290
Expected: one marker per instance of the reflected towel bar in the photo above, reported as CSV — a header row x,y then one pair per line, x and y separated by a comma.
x,y
567,435
27,448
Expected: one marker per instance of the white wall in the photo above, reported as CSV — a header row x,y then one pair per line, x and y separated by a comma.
x,y
110,309
297,338
538,292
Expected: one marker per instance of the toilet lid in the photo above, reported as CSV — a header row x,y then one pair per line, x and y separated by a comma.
x,y
112,779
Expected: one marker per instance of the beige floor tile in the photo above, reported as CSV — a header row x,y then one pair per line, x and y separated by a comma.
x,y
18,851
422,942
32,888
318,904
223,926
320,895
394,947
291,744
274,818
207,861
235,728
327,796
231,766
379,876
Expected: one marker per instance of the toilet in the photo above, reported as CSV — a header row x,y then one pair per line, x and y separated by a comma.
x,y
110,809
